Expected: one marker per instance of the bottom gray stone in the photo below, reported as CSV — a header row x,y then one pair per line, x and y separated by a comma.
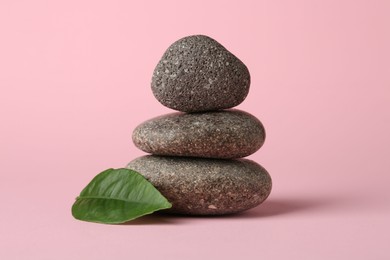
x,y
197,186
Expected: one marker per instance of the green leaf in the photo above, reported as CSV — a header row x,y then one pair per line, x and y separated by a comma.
x,y
117,196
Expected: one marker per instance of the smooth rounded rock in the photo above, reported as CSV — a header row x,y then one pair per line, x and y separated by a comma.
x,y
219,134
196,73
197,186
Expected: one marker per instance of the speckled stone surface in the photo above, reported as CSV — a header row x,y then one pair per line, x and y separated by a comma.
x,y
219,134
198,186
196,74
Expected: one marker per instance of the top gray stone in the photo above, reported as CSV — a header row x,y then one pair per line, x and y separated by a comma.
x,y
196,74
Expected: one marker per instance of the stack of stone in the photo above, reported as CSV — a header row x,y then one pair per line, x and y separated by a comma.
x,y
194,152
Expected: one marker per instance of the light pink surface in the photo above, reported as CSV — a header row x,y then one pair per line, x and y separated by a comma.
x,y
75,81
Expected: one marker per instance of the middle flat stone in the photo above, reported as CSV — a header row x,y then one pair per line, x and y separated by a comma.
x,y
219,134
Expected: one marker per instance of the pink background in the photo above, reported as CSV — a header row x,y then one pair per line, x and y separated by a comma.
x,y
75,81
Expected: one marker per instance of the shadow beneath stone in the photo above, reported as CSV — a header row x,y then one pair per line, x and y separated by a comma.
x,y
156,219
275,207
269,208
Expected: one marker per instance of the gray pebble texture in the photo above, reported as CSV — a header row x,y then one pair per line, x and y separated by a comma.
x,y
197,186
219,134
196,74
